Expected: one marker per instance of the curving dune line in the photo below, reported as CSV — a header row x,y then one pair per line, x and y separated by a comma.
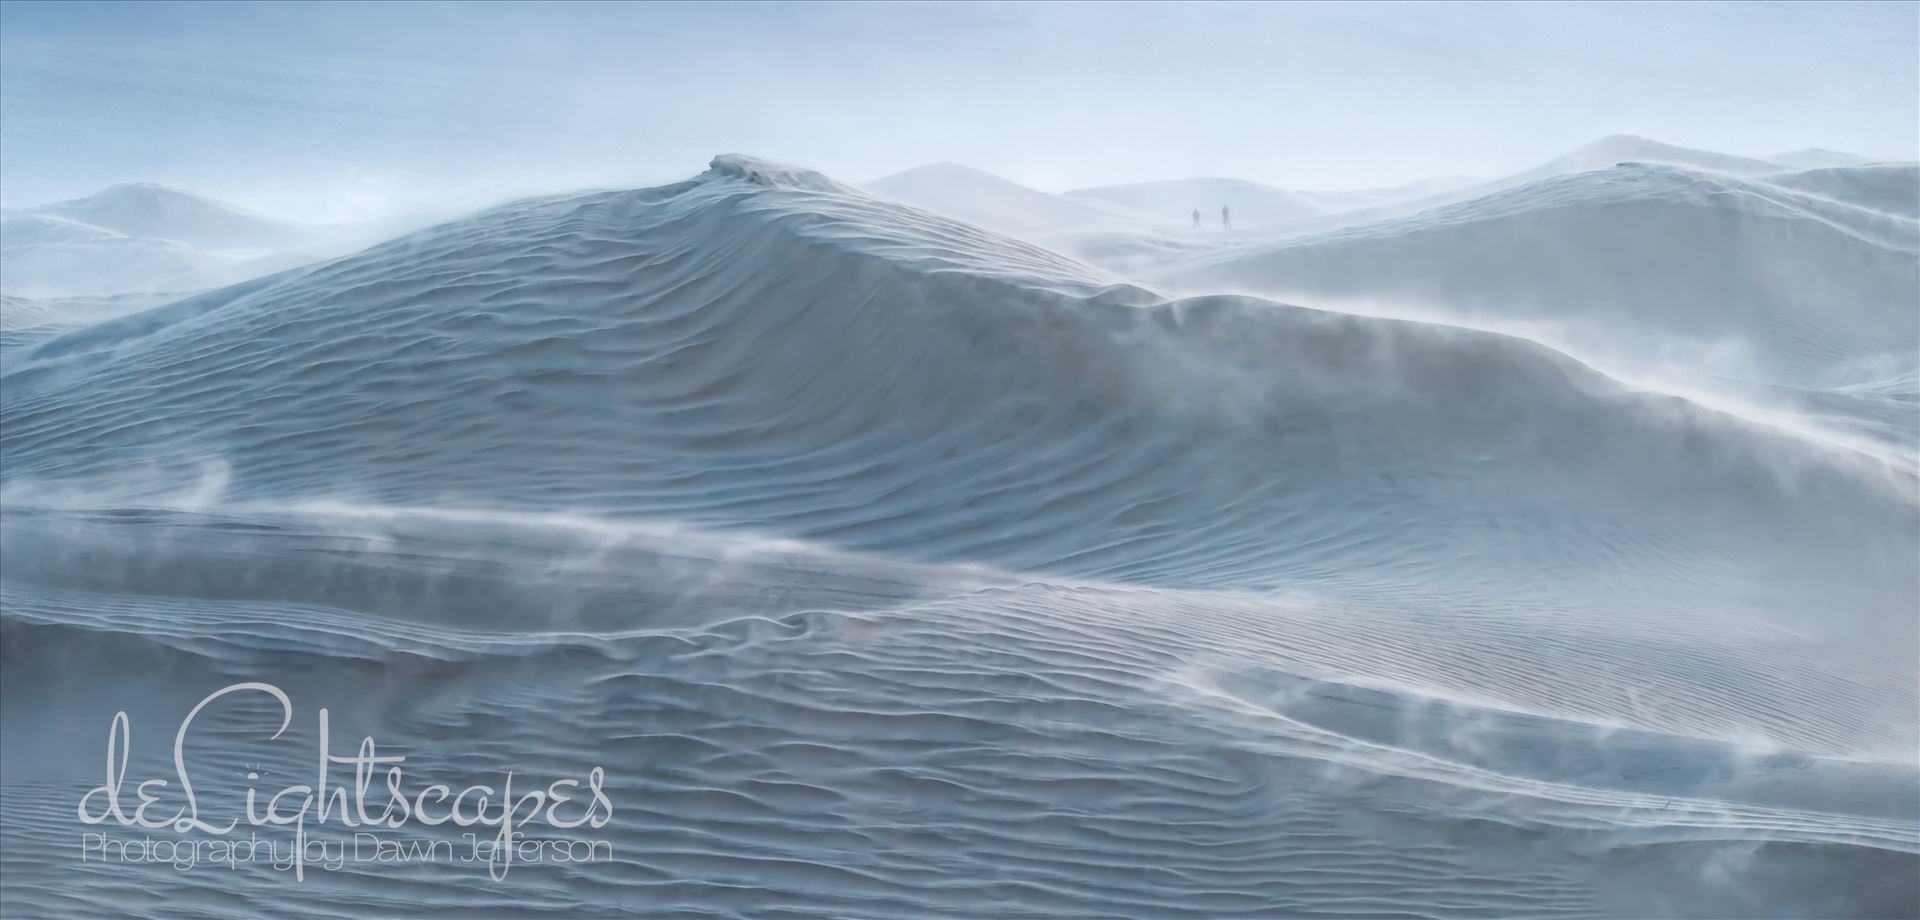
x,y
892,567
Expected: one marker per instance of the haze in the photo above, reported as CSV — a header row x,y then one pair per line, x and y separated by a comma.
x,y
325,112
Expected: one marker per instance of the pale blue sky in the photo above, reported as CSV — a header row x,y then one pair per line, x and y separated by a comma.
x,y
339,111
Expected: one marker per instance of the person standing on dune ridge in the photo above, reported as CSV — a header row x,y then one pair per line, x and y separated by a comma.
x,y
1196,218
1226,223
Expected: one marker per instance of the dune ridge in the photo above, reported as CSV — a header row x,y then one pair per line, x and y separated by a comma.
x,y
894,566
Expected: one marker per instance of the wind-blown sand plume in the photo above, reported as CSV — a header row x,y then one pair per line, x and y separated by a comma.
x,y
45,255
1799,284
895,567
1893,188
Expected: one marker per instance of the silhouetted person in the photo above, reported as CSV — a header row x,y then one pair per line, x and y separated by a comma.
x,y
1226,222
1196,218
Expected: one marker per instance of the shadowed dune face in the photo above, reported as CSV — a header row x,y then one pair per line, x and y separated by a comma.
x,y
891,566
828,733
1211,441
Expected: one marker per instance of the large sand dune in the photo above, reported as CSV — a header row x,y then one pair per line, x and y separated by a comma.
x,y
895,567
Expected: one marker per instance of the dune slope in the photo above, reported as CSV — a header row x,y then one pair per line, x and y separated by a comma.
x,y
891,566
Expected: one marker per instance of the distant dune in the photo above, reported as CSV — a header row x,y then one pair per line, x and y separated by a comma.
x,y
144,209
142,238
1616,149
1802,283
1814,158
1251,202
990,201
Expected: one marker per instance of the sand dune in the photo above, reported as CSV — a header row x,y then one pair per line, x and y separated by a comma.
x,y
1616,149
1788,287
893,566
1815,158
985,199
1252,203
145,209
140,238
1893,188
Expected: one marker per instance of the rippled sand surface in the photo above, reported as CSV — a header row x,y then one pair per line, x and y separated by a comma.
x,y
893,568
